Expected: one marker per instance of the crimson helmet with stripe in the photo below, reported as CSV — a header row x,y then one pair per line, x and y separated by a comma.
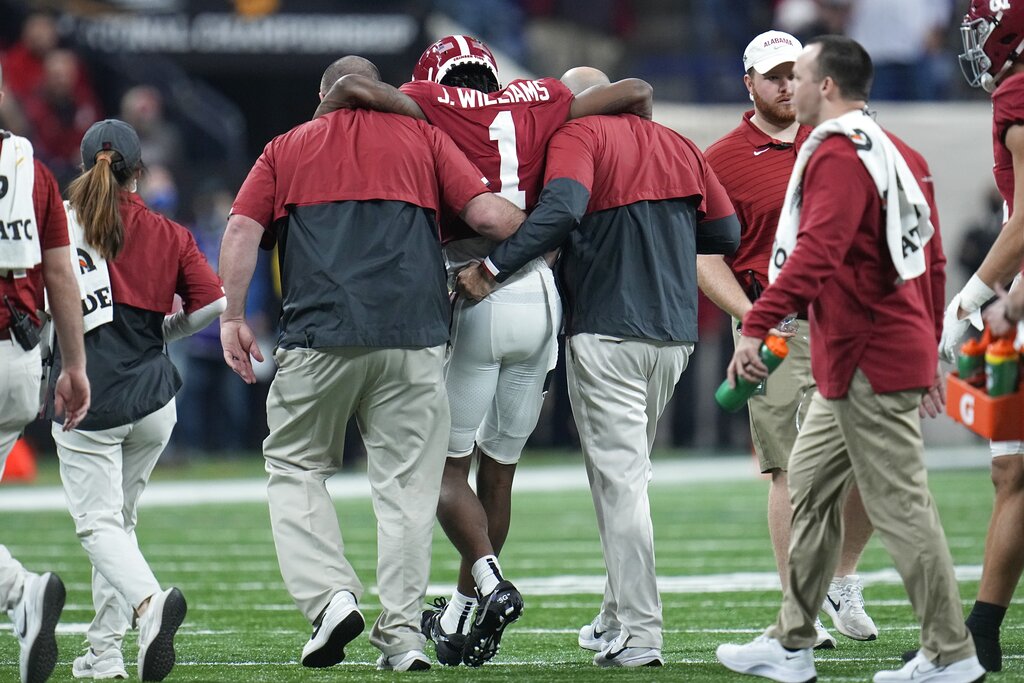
x,y
993,38
451,51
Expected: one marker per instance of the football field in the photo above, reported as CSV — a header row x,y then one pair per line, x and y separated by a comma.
x,y
714,563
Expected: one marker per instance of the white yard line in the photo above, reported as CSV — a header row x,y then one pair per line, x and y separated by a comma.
x,y
540,478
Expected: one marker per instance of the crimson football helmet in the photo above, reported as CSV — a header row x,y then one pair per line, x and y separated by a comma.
x,y
451,51
993,35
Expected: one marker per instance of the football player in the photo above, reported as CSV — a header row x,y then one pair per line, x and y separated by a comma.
x,y
993,39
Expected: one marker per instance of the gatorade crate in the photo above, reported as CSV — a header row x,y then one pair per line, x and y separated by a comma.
x,y
999,419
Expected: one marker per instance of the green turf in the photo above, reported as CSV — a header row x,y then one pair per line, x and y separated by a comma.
x,y
242,626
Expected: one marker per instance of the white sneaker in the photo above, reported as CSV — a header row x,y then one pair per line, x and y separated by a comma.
x,y
616,654
338,625
108,665
766,657
35,617
920,669
157,627
844,603
824,639
596,636
413,660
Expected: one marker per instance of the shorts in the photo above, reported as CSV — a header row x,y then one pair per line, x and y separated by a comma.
x,y
776,416
502,350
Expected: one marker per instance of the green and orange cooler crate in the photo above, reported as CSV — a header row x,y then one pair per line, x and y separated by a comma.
x,y
989,403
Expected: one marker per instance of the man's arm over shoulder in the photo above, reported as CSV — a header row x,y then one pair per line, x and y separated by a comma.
x,y
628,96
353,91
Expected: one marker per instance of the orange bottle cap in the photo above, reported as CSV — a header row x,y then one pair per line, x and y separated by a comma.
x,y
1001,348
974,347
777,345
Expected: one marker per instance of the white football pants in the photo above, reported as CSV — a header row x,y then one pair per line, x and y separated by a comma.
x,y
502,350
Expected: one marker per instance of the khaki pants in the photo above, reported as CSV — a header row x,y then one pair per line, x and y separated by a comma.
x,y
618,390
873,440
12,580
400,403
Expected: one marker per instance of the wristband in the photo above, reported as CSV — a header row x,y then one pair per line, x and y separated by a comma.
x,y
974,294
489,266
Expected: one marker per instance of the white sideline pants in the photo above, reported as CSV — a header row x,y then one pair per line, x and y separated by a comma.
x,y
20,373
104,473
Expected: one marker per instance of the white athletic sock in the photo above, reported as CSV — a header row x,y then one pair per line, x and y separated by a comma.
x,y
487,574
458,614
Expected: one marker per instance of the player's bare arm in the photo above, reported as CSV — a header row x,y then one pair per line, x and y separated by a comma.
x,y
628,96
238,252
1003,259
1007,311
1000,264
355,91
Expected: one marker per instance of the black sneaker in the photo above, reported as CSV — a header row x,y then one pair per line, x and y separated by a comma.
x,y
447,646
495,612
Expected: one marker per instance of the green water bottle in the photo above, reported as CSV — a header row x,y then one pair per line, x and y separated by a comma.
x,y
970,364
773,351
1001,368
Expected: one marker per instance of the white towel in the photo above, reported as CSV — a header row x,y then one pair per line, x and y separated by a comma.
x,y
19,234
93,276
907,229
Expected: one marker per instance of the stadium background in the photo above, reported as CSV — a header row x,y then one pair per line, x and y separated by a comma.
x,y
209,82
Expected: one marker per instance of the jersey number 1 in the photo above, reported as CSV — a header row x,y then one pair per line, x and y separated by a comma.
x,y
503,131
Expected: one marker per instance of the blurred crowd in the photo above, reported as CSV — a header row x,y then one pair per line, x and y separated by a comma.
x,y
688,49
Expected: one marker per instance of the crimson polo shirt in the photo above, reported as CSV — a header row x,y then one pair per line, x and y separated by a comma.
x,y
754,169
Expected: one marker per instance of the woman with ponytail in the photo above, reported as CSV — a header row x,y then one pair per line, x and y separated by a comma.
x,y
131,263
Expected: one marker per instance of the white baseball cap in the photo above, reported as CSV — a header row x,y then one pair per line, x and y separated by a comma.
x,y
768,50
